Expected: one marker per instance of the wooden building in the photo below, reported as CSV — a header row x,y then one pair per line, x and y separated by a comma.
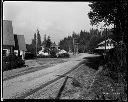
x,y
12,42
105,45
20,46
8,37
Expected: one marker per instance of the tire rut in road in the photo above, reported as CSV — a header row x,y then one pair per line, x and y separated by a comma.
x,y
22,96
25,72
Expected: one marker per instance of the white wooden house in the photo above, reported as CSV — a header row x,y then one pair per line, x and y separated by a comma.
x,y
109,44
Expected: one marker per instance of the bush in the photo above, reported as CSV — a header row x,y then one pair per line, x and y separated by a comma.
x,y
6,66
116,70
53,54
63,55
29,55
12,62
117,59
12,65
20,62
42,56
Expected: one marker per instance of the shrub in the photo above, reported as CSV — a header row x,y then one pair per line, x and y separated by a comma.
x,y
29,55
53,53
116,70
63,55
12,62
43,56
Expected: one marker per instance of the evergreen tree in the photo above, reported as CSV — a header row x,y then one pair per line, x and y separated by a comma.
x,y
48,42
38,39
44,42
34,40
33,44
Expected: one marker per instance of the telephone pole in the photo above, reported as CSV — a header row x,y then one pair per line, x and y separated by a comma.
x,y
73,47
105,40
76,48
36,42
105,44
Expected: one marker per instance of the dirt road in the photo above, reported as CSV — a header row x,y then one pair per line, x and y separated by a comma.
x,y
27,84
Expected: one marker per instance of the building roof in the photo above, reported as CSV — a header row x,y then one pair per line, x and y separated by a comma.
x,y
109,45
21,42
8,37
103,47
107,41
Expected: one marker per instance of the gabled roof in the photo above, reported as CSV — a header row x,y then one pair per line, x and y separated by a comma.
x,y
20,44
103,47
108,41
8,37
102,44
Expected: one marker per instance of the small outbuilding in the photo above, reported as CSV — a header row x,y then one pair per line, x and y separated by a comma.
x,y
20,45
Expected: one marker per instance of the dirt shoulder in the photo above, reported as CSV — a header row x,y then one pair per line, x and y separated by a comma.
x,y
32,65
83,74
39,64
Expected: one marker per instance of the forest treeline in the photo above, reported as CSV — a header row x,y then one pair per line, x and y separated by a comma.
x,y
86,40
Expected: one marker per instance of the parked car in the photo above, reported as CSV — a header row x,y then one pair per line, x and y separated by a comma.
x,y
43,54
63,54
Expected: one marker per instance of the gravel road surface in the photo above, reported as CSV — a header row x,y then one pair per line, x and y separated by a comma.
x,y
30,85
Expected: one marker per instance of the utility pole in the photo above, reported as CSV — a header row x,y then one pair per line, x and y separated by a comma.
x,y
76,48
36,42
105,44
69,50
73,47
105,40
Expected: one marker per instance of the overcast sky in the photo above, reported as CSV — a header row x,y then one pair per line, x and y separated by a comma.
x,y
56,19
